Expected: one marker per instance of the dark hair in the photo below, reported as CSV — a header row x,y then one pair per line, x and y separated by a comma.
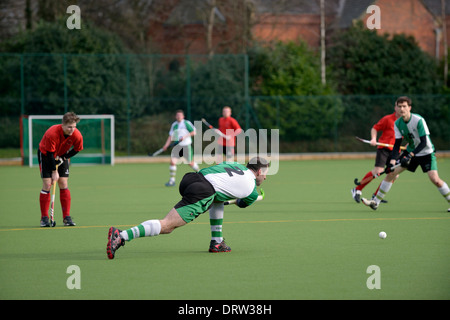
x,y
70,117
257,163
179,111
403,99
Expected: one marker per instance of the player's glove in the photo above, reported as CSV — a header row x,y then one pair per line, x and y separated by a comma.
x,y
405,161
389,168
60,160
241,204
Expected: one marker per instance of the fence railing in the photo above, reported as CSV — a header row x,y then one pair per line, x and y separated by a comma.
x,y
143,92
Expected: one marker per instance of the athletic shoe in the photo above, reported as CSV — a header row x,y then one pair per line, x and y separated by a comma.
x,y
448,210
382,201
45,222
370,203
215,246
356,194
68,221
115,241
170,183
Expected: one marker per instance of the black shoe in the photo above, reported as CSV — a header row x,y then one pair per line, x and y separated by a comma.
x,y
45,222
215,246
68,221
356,195
115,241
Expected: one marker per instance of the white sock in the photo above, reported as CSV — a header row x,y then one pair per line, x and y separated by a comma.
x,y
216,221
172,172
445,191
149,228
384,188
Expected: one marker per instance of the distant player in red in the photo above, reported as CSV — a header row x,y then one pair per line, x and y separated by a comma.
x,y
59,143
386,126
231,128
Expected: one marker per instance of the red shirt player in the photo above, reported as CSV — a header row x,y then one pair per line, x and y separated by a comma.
x,y
231,128
386,126
59,143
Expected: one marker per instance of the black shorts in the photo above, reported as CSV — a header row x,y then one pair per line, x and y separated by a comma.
x,y
383,157
426,162
45,167
197,196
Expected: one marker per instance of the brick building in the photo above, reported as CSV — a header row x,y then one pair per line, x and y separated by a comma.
x,y
199,27
421,19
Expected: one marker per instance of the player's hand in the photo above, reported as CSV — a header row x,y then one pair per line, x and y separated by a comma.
x,y
373,142
55,176
389,168
60,160
405,161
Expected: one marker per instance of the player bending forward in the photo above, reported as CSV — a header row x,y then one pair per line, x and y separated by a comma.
x,y
59,143
201,191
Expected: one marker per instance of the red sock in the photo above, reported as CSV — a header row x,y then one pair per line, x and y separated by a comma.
x,y
361,186
44,202
377,189
64,198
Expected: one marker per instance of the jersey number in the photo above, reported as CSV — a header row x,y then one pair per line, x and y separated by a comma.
x,y
235,170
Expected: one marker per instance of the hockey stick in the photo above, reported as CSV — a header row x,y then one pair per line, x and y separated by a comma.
x,y
380,143
159,151
260,197
368,179
215,129
52,205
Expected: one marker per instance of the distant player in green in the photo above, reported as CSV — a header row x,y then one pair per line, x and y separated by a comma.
x,y
201,191
420,151
181,131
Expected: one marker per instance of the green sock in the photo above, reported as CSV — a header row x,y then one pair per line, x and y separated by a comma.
x,y
216,229
148,228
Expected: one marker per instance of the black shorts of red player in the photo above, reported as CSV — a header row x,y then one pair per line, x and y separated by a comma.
x,y
45,167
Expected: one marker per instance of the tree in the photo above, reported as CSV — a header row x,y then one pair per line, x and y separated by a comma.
x,y
287,79
58,67
363,62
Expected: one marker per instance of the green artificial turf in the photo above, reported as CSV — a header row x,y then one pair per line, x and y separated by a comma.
x,y
308,239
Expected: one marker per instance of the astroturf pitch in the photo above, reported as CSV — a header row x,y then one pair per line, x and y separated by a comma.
x,y
307,239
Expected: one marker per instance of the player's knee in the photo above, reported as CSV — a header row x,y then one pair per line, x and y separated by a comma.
x,y
434,178
436,181
46,186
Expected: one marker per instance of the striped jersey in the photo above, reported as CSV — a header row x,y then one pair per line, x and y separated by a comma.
x,y
232,180
411,131
180,129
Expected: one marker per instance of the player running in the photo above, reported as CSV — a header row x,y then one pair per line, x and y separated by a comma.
x,y
181,131
59,143
201,191
420,151
383,157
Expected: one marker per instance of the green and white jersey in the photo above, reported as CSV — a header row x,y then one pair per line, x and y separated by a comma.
x,y
232,180
412,131
180,129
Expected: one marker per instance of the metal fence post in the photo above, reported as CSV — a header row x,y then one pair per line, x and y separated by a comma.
x,y
128,106
65,82
188,87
